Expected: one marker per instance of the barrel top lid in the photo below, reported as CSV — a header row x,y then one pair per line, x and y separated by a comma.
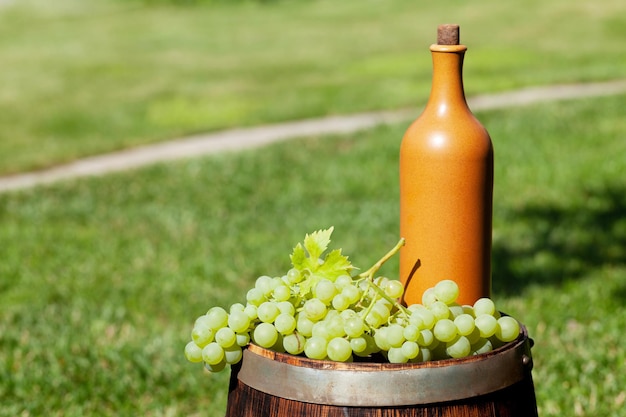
x,y
448,34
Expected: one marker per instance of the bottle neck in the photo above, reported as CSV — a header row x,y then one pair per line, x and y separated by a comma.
x,y
447,91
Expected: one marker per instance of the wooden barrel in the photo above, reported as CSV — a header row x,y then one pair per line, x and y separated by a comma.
x,y
498,383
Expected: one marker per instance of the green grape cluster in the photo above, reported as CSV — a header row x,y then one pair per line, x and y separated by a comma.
x,y
318,309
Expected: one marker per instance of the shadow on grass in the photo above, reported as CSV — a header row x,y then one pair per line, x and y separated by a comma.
x,y
549,243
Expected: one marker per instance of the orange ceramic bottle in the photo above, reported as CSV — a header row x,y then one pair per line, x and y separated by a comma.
x,y
446,186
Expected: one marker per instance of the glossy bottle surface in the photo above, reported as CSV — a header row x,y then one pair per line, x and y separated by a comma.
x,y
446,185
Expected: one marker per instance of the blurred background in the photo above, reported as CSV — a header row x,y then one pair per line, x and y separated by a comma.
x,y
102,278
84,77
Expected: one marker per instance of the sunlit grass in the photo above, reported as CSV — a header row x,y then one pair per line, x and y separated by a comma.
x,y
101,278
80,78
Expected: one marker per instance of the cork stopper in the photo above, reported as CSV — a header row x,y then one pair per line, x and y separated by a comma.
x,y
448,34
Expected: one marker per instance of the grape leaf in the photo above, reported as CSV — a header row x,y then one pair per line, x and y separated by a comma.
x,y
307,258
317,242
335,265
299,258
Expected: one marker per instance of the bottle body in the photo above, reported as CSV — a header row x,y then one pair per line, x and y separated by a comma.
x,y
446,187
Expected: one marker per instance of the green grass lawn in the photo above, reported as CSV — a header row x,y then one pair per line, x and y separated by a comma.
x,y
79,78
102,278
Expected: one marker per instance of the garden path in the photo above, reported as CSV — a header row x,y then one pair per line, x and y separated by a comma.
x,y
245,138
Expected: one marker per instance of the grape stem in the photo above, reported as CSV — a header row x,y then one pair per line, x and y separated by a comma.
x,y
370,272
382,293
369,275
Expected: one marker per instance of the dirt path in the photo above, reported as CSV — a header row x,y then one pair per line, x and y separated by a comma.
x,y
244,138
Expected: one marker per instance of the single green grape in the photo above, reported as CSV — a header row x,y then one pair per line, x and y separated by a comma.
x,y
315,348
440,310
394,289
358,344
315,309
203,320
202,334
236,307
251,311
464,324
484,306
281,293
225,337
218,318
429,297
354,326
445,330
286,307
395,335
193,352
212,353
325,290
243,339
267,312
425,338
264,284
233,354
410,349
424,355
340,302
304,325
255,297
348,313
396,355
265,335
352,293
294,276
339,349
486,324
238,321
459,347
411,333
446,291
285,323
380,337
294,343
508,329
343,281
